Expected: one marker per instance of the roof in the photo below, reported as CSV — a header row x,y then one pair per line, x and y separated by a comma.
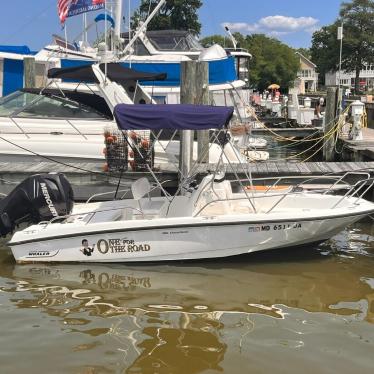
x,y
174,117
115,71
306,59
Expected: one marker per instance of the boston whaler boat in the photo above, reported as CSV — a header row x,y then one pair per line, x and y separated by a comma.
x,y
211,219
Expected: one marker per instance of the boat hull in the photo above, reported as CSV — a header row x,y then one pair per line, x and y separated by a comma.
x,y
180,242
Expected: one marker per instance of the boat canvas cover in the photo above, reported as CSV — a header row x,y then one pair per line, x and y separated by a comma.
x,y
115,73
172,116
17,49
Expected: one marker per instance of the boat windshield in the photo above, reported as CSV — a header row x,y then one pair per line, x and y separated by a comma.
x,y
176,43
26,105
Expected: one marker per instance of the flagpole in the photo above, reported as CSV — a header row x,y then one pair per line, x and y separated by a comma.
x,y
106,43
130,27
85,28
66,37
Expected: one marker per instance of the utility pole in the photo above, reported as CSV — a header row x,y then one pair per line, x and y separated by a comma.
x,y
340,37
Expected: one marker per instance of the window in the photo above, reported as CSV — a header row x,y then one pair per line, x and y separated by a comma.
x,y
140,49
25,104
14,103
176,43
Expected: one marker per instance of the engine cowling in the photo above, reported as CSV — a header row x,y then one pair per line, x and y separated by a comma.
x,y
38,198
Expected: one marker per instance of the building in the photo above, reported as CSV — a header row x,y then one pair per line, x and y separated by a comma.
x,y
347,79
307,77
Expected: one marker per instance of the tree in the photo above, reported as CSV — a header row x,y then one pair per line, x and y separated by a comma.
x,y
174,14
272,62
358,43
305,52
325,49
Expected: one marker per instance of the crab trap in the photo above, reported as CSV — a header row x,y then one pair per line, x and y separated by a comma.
x,y
141,155
116,150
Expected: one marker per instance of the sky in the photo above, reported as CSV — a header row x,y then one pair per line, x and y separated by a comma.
x,y
25,22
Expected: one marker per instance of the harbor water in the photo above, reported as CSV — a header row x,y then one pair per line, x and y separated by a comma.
x,y
290,311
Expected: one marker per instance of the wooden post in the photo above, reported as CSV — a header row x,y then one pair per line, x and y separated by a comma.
x,y
29,72
202,90
194,90
330,114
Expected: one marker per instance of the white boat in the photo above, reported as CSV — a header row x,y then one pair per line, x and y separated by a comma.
x,y
68,125
208,220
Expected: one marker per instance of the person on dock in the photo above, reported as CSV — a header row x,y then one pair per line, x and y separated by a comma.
x,y
317,110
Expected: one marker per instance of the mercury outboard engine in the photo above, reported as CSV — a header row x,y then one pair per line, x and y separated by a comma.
x,y
38,198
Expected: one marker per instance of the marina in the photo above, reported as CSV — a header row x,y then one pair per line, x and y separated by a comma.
x,y
178,202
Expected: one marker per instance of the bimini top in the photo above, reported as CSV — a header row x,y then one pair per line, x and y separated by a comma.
x,y
172,116
116,73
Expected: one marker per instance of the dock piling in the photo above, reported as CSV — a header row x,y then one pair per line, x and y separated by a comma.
x,y
29,72
330,115
194,90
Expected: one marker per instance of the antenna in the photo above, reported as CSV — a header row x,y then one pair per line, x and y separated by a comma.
x,y
233,40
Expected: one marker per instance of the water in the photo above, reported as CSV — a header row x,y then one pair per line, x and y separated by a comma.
x,y
309,311
293,151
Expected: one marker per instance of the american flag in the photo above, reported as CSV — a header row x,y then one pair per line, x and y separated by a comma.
x,y
63,9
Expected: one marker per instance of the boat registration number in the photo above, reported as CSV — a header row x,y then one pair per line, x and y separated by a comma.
x,y
277,227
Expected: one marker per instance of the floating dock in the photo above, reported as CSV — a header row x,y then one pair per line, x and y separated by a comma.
x,y
359,150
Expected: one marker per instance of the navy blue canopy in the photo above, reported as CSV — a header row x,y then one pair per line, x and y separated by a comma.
x,y
18,49
172,116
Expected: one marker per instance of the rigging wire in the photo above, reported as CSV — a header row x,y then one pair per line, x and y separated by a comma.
x,y
30,20
58,161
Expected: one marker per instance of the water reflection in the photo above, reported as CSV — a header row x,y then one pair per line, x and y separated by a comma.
x,y
199,317
314,284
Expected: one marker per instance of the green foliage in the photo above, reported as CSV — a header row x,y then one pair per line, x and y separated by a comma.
x,y
175,14
325,49
305,52
358,42
272,62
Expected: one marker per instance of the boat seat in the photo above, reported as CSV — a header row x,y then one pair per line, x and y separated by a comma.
x,y
179,207
140,188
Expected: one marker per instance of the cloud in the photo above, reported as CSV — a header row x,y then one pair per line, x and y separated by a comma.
x,y
287,23
275,25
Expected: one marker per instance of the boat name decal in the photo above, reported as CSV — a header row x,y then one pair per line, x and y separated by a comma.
x,y
121,245
286,226
39,253
48,199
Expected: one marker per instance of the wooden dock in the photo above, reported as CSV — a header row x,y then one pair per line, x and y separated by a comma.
x,y
88,179
359,150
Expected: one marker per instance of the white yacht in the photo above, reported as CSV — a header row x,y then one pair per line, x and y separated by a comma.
x,y
66,121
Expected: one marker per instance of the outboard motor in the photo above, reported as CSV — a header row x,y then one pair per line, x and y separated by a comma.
x,y
38,198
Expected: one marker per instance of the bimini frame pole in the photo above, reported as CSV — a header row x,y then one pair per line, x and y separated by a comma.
x,y
143,27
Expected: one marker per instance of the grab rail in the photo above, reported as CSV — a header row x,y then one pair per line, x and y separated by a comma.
x,y
338,179
65,217
355,189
